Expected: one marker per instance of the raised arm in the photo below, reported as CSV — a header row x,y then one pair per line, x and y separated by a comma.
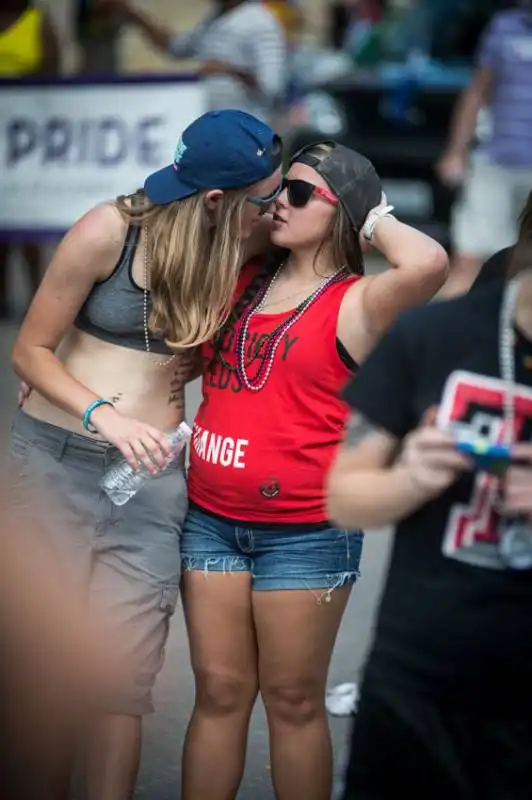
x,y
453,164
158,34
418,268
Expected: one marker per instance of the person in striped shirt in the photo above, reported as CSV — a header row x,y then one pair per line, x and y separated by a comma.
x,y
241,47
495,179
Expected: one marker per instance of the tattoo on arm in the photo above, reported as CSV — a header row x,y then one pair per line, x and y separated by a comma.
x,y
358,427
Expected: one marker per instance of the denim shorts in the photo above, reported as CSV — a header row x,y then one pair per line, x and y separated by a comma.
x,y
123,558
277,559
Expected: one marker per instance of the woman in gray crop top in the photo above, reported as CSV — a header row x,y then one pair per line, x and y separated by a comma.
x,y
107,347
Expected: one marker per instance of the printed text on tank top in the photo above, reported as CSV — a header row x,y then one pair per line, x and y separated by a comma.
x,y
258,381
264,458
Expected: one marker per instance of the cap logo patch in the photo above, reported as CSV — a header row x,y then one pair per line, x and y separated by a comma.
x,y
179,151
260,152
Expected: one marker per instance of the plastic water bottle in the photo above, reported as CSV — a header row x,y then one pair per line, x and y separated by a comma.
x,y
122,482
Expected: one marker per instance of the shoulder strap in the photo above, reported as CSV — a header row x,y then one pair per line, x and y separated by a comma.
x,y
131,241
128,250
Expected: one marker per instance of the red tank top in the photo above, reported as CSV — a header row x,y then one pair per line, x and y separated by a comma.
x,y
263,456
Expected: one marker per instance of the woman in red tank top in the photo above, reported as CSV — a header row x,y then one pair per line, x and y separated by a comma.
x,y
266,576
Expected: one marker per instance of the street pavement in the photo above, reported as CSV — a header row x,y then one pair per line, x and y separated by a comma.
x,y
164,731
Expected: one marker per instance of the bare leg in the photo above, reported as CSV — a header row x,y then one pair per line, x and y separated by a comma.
x,y
296,637
224,660
113,758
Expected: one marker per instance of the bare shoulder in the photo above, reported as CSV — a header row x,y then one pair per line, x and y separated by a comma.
x,y
87,255
95,240
102,223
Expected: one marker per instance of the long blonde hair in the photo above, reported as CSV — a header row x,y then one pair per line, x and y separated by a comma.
x,y
194,258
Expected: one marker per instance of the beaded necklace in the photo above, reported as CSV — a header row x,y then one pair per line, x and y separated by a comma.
x,y
259,381
515,534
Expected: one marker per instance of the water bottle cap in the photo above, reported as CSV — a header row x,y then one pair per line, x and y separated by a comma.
x,y
186,429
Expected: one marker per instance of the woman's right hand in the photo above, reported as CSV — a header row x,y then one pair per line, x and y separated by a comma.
x,y
430,457
138,442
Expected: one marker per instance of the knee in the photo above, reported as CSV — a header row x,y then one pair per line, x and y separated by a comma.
x,y
221,694
297,704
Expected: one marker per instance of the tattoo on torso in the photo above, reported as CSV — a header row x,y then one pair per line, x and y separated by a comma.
x,y
181,374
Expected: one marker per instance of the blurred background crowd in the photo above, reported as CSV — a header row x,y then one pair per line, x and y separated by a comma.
x,y
384,77
381,76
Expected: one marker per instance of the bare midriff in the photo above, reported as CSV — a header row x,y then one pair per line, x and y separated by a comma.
x,y
145,386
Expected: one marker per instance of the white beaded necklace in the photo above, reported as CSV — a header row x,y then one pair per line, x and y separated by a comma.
x,y
515,535
241,354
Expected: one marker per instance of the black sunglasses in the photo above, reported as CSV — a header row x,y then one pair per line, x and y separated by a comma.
x,y
299,192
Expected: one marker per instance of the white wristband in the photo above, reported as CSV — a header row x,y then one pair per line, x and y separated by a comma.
x,y
372,219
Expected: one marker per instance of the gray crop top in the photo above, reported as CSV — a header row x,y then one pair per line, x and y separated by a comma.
x,y
114,310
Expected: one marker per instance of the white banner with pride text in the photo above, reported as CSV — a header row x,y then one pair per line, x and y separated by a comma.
x,y
67,145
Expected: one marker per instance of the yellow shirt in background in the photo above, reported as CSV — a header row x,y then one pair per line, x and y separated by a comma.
x,y
21,48
287,13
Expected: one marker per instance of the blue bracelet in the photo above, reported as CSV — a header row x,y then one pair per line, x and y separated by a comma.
x,y
87,415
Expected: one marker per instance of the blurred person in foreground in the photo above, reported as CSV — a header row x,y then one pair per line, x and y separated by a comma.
x,y
498,174
58,660
108,345
241,47
28,47
495,269
446,703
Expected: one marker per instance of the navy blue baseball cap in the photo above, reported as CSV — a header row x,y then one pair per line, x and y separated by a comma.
x,y
220,150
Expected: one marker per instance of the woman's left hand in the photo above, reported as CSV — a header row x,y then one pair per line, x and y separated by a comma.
x,y
518,483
